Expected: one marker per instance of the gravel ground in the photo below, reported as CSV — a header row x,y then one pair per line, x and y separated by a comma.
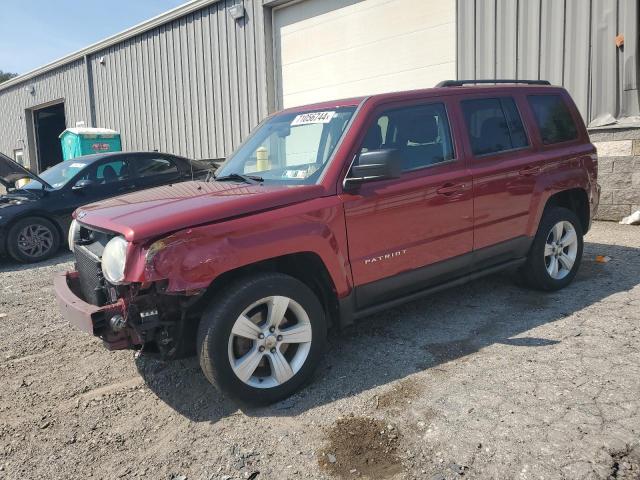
x,y
488,380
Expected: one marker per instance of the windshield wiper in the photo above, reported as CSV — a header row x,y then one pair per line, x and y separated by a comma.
x,y
250,179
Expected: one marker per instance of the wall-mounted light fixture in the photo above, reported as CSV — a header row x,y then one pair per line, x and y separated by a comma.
x,y
30,89
237,11
101,60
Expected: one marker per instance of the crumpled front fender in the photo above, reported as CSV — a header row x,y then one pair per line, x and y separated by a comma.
x,y
192,258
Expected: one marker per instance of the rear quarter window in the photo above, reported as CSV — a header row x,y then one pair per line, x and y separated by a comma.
x,y
148,167
553,118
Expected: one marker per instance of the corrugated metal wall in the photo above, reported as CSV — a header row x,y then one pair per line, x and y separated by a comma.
x,y
67,83
193,86
196,85
569,42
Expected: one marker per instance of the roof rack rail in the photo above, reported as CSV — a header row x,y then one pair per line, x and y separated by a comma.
x,y
460,83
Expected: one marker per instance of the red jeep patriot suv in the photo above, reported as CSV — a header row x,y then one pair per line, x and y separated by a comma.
x,y
330,212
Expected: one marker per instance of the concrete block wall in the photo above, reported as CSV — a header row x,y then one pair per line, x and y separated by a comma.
x,y
618,171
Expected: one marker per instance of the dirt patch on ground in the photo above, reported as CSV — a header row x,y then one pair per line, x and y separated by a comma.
x,y
361,447
538,385
625,464
401,394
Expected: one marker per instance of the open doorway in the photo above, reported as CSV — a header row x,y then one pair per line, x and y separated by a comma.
x,y
49,122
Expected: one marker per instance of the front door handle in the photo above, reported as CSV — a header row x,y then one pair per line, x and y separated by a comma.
x,y
449,189
529,170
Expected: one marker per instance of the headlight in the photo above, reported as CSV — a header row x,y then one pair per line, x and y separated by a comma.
x,y
114,258
74,231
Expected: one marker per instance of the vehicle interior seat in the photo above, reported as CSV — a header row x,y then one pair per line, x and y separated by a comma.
x,y
109,174
494,137
420,145
124,170
373,139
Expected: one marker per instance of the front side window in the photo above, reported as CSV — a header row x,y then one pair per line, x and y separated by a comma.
x,y
553,118
290,148
108,172
113,171
421,134
494,125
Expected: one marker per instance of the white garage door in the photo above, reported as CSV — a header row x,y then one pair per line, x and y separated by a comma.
x,y
329,49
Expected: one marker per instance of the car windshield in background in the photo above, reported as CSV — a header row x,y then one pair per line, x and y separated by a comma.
x,y
58,175
291,148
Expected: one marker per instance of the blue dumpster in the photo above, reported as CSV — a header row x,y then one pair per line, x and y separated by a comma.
x,y
80,141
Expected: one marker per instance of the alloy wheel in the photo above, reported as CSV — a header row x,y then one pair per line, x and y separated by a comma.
x,y
270,342
35,240
560,250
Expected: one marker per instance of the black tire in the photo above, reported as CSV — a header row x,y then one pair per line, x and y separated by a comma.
x,y
43,225
217,322
534,272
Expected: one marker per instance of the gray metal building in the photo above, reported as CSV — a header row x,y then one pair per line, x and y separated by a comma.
x,y
568,42
195,80
191,81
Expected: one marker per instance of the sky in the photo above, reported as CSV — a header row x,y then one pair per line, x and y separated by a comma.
x,y
36,32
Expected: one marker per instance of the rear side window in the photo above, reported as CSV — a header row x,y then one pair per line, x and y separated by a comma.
x,y
553,118
494,125
148,167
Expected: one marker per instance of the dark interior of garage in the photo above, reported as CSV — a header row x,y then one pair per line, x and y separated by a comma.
x,y
49,123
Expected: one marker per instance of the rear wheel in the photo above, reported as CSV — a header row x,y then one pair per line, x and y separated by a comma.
x,y
261,338
556,252
33,239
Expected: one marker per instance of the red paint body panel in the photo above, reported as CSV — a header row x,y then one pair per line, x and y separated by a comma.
x,y
149,213
192,258
211,228
85,316
408,215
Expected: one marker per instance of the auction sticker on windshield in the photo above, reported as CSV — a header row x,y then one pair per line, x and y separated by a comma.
x,y
313,117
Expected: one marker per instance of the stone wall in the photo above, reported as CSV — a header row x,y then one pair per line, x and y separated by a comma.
x,y
618,171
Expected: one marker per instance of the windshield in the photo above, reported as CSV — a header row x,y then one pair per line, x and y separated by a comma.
x,y
290,148
58,175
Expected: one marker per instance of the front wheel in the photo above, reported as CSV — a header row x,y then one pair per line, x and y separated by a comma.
x,y
556,252
262,337
33,239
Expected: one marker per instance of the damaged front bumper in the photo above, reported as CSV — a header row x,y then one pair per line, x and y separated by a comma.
x,y
91,318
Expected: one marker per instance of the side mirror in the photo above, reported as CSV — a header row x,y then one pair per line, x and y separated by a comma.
x,y
82,184
374,166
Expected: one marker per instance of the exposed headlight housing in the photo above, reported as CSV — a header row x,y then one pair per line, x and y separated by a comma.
x,y
74,233
114,259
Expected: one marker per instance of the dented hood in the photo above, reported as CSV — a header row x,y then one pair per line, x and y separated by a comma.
x,y
162,210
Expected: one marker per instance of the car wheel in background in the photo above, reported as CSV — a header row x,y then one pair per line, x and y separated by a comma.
x,y
33,239
262,337
556,252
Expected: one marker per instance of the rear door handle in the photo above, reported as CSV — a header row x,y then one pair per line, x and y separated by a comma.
x,y
529,170
450,188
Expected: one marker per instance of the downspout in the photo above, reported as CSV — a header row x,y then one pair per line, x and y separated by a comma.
x,y
90,92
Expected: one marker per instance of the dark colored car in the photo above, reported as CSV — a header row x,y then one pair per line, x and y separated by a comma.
x,y
35,219
331,212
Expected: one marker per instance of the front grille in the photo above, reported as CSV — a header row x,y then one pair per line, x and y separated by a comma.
x,y
91,279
